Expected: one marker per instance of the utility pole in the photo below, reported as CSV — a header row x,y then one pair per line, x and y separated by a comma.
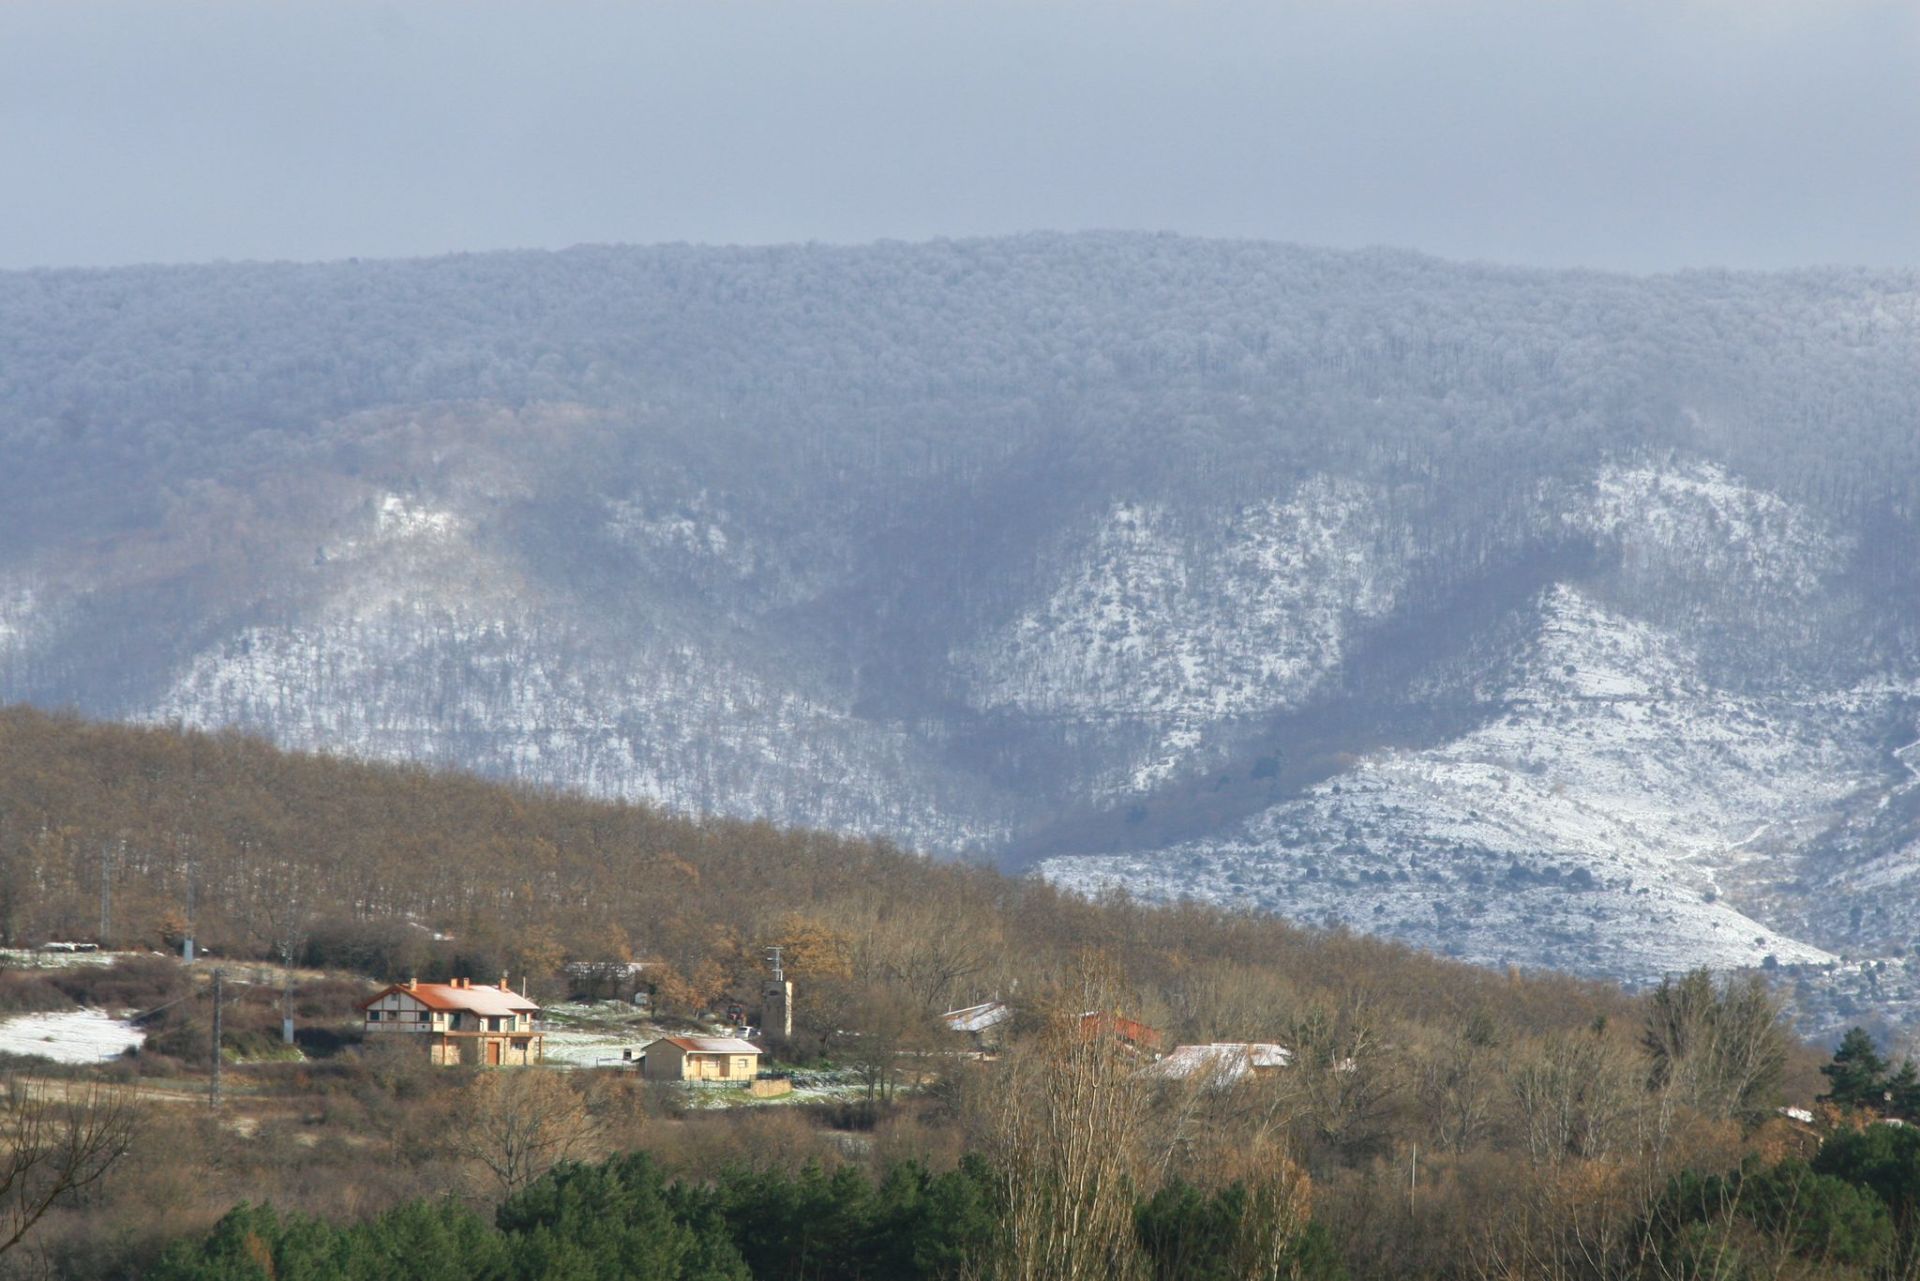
x,y
286,996
213,1087
193,899
106,891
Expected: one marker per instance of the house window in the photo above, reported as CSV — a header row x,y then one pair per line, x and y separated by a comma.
x,y
493,1025
373,1016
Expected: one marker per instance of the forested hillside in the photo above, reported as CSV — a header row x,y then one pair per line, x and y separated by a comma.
x,y
259,852
1432,1119
1549,618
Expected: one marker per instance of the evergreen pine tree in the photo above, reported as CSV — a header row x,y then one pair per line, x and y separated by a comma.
x,y
1903,1091
1857,1075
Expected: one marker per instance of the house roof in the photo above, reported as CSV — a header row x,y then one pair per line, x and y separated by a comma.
x,y
1225,1061
709,1044
1130,1030
977,1018
458,996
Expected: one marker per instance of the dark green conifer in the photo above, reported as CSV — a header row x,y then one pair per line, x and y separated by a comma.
x,y
1857,1075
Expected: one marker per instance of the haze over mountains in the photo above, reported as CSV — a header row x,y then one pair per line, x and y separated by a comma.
x,y
1551,618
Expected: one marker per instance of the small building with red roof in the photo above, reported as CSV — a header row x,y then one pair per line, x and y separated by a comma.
x,y
482,1024
1131,1033
701,1058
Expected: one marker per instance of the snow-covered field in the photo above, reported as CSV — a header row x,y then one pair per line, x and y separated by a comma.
x,y
33,959
69,1036
594,1034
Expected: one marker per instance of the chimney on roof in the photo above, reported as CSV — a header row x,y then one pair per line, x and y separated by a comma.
x,y
410,982
503,984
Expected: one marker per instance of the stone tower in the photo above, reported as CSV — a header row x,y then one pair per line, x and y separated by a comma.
x,y
776,1008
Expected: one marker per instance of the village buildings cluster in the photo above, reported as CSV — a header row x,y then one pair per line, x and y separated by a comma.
x,y
460,1022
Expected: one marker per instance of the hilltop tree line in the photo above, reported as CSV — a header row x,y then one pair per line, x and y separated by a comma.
x,y
945,354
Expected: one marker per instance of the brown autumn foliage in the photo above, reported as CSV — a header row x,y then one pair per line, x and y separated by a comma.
x,y
243,843
1440,1120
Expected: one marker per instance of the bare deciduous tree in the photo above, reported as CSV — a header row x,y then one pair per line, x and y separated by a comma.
x,y
56,1141
520,1124
1341,1078
1574,1092
1454,1086
1064,1129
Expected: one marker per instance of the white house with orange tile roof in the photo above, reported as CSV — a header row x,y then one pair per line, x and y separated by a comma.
x,y
483,1024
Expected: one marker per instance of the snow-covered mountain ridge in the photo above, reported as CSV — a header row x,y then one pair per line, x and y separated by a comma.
x,y
1543,618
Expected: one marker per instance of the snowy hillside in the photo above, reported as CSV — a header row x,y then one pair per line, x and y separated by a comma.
x,y
1613,817
1545,618
1179,624
425,647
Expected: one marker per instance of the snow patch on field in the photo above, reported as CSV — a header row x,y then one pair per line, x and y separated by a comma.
x,y
20,958
69,1036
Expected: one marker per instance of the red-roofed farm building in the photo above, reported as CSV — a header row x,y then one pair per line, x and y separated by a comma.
x,y
701,1058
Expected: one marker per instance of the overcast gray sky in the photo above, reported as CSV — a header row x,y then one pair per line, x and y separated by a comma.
x,y
1614,133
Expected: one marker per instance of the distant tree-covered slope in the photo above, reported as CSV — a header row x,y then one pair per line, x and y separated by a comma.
x,y
254,850
1151,360
1536,616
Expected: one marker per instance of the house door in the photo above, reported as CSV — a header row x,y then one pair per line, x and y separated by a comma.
x,y
493,1054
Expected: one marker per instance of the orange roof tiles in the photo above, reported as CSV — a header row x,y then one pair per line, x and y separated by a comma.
x,y
1094,1022
484,999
